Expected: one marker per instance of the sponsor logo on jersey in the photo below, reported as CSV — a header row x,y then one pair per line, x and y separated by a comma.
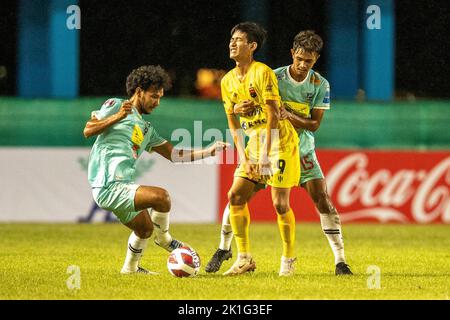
x,y
252,91
255,123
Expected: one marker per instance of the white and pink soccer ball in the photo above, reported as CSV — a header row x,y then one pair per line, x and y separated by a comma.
x,y
183,262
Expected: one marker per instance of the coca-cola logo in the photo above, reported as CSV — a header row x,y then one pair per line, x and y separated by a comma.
x,y
388,194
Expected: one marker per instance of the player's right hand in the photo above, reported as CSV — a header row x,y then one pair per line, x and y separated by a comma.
x,y
244,107
251,170
264,168
125,109
284,114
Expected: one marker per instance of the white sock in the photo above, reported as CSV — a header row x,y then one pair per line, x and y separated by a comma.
x,y
161,227
135,251
331,226
226,235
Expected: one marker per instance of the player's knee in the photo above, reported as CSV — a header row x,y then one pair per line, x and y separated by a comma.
x,y
322,201
163,201
235,198
144,232
281,207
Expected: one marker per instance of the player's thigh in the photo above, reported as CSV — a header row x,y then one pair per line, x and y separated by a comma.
x,y
152,197
241,191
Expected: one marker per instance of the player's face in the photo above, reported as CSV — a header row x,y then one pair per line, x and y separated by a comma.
x,y
239,46
302,62
150,99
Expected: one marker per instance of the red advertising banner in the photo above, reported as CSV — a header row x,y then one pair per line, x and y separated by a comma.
x,y
367,186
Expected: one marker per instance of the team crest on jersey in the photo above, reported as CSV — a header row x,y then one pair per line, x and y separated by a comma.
x,y
252,91
281,76
244,125
309,96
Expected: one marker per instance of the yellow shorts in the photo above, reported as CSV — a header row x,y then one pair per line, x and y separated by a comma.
x,y
285,168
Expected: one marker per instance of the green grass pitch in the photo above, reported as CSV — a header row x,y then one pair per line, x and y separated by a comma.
x,y
414,263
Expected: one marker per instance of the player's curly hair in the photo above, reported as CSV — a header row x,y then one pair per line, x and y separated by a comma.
x,y
309,41
146,77
255,33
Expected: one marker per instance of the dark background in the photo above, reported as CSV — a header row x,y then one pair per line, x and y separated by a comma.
x,y
183,36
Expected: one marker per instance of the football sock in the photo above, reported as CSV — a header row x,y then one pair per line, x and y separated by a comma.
x,y
240,221
135,251
226,235
161,227
286,225
331,226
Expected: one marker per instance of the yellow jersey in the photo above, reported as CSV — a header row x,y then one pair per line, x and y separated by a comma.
x,y
259,85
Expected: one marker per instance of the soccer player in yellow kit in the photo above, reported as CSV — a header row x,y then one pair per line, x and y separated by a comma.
x,y
271,155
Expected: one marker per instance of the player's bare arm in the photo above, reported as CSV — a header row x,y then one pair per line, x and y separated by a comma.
x,y
311,124
273,116
172,154
94,126
238,138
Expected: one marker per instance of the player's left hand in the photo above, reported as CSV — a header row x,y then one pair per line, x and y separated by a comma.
x,y
218,146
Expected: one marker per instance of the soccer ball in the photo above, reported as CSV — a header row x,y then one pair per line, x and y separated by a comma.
x,y
183,262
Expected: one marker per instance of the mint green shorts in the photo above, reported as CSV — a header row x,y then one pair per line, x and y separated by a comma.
x,y
310,168
117,197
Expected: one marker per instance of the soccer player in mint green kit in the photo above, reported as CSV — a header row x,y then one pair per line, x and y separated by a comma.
x,y
305,96
122,136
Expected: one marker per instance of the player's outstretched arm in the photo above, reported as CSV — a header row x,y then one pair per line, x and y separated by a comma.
x,y
311,124
168,151
95,126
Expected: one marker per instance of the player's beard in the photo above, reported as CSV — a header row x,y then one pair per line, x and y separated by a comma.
x,y
143,107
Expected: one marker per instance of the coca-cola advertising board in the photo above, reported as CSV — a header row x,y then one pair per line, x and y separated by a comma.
x,y
367,186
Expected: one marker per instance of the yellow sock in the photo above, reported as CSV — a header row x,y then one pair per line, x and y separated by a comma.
x,y
240,221
286,224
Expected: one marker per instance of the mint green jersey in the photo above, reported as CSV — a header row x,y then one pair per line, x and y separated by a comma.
x,y
115,151
301,97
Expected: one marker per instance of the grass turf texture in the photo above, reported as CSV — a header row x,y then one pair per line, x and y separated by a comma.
x,y
414,262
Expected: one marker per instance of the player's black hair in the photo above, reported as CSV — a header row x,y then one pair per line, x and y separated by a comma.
x,y
309,41
146,77
255,33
